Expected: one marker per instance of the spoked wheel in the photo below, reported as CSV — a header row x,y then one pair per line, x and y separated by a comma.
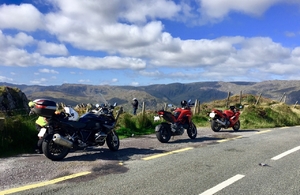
x,y
163,133
215,126
54,151
112,141
192,131
236,126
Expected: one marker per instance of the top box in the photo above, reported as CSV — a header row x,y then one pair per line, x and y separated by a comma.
x,y
44,107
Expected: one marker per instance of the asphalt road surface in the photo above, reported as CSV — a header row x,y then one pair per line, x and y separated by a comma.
x,y
262,161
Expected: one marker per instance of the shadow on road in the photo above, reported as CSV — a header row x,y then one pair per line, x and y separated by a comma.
x,y
123,154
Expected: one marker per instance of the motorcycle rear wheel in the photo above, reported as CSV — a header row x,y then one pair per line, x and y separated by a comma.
x,y
54,151
192,131
236,126
215,126
163,133
113,141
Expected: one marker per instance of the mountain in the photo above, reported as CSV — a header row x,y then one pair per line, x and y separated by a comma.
x,y
155,96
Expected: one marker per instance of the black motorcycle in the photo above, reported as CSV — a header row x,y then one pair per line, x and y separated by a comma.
x,y
94,128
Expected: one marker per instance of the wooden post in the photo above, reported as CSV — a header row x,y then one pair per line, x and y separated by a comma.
x,y
241,97
165,108
282,97
258,99
143,108
227,102
195,107
295,104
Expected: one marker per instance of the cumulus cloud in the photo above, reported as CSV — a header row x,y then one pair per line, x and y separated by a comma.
x,y
46,48
25,17
132,35
217,10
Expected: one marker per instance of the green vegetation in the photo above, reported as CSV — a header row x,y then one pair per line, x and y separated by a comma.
x,y
18,134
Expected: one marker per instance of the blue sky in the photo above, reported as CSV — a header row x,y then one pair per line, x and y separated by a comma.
x,y
135,42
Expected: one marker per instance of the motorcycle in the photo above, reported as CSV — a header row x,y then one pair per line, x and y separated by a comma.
x,y
225,119
176,122
67,131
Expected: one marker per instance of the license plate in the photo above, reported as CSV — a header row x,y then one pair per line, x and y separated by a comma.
x,y
212,115
42,132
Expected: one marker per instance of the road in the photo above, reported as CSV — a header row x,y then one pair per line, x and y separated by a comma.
x,y
250,162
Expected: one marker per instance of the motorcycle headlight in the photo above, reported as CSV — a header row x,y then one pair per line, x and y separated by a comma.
x,y
212,115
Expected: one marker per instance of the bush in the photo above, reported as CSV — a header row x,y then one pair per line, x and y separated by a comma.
x,y
17,136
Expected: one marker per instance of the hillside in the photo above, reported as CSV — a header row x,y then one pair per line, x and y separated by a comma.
x,y
155,96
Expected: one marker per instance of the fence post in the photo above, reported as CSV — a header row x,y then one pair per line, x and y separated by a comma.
x,y
143,108
241,96
227,102
195,107
258,99
295,104
282,97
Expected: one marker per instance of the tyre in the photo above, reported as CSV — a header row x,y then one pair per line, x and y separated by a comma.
x,y
163,133
112,141
215,126
192,131
54,151
236,126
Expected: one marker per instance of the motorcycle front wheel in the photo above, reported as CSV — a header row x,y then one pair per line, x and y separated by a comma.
x,y
163,133
236,126
112,141
54,151
215,126
192,131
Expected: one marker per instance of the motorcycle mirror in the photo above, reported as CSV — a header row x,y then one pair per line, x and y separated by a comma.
x,y
115,104
97,105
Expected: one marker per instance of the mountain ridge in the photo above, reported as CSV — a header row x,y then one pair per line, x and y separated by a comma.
x,y
156,95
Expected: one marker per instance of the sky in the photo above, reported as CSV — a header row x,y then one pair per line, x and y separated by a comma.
x,y
145,42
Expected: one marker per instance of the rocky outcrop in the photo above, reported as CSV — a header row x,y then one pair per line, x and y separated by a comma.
x,y
12,99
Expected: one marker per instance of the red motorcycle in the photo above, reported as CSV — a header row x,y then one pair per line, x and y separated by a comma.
x,y
176,122
225,119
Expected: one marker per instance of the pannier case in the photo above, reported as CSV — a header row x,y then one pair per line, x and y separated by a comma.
x,y
44,107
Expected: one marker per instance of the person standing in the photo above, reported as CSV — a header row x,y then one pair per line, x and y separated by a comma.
x,y
135,105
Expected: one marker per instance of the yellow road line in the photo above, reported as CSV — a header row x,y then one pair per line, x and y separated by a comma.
x,y
167,153
45,183
225,140
260,132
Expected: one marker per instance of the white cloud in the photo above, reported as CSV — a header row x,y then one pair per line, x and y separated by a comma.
x,y
45,70
94,63
84,81
5,79
46,48
131,35
40,81
134,83
22,17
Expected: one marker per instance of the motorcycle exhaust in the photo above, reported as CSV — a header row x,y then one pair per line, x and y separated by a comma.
x,y
222,123
60,140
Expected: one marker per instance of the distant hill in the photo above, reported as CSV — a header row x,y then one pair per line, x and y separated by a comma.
x,y
155,96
